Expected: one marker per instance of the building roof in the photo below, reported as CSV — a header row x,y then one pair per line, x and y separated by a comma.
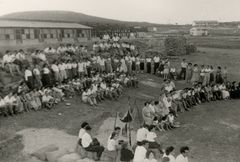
x,y
206,21
40,24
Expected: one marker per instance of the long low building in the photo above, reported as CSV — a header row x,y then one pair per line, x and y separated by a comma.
x,y
20,33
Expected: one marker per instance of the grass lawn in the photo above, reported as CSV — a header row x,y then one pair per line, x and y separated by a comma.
x,y
211,130
223,42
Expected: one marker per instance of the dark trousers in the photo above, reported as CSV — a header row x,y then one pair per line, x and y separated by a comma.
x,y
156,65
149,67
183,72
96,148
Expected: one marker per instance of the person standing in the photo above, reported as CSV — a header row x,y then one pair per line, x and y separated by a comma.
x,y
189,73
156,63
225,74
184,65
211,79
29,78
195,76
37,76
149,62
219,78
183,156
46,77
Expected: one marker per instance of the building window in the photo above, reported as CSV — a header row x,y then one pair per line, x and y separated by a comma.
x,y
27,36
36,33
51,35
7,36
68,35
44,36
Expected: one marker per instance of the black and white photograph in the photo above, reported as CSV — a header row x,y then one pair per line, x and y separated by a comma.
x,y
119,80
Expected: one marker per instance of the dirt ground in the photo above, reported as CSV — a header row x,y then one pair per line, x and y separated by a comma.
x,y
211,130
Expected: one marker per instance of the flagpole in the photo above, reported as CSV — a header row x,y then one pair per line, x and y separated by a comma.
x,y
115,121
140,122
130,138
129,129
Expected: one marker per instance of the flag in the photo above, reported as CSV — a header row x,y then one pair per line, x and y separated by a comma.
x,y
127,118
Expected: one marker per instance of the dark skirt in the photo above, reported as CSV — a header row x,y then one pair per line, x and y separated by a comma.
x,y
161,67
219,79
211,80
149,67
141,65
133,65
46,80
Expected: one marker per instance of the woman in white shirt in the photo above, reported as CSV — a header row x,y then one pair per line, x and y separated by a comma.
x,y
112,142
29,78
169,153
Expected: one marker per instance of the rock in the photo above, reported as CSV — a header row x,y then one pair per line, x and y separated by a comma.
x,y
41,153
73,157
53,156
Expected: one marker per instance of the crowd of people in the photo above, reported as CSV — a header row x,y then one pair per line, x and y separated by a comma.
x,y
95,77
118,149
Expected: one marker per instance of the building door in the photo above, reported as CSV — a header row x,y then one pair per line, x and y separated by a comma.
x,y
18,35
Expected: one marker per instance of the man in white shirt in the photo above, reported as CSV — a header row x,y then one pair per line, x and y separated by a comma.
x,y
183,156
142,134
184,65
82,131
140,152
91,145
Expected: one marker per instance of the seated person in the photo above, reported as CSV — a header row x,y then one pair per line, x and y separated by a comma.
x,y
86,97
225,93
82,131
112,143
151,138
126,155
142,134
140,152
47,100
150,156
171,121
91,145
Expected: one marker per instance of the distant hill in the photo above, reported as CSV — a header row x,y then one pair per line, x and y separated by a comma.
x,y
68,16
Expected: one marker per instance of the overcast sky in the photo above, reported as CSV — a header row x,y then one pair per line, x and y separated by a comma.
x,y
157,11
